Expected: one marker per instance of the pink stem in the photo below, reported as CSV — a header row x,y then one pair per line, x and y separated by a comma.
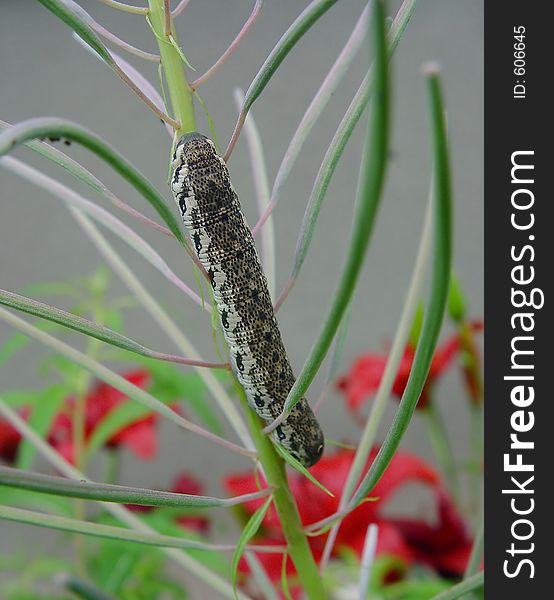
x,y
235,136
122,43
180,8
232,47
189,361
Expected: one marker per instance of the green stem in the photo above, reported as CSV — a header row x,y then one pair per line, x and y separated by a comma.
x,y
476,458
172,63
285,505
475,582
471,363
441,446
83,589
113,466
79,423
476,551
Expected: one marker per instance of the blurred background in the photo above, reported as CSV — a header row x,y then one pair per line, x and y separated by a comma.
x,y
46,73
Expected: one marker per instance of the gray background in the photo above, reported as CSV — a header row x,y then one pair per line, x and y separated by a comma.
x,y
44,72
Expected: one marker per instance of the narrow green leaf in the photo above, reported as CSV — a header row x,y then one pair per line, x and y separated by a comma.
x,y
44,410
50,126
72,199
438,295
182,559
85,176
474,582
372,178
294,33
12,345
414,589
29,517
164,522
284,580
298,466
117,419
84,589
477,550
289,39
171,384
209,119
113,379
417,324
247,534
74,322
79,20
456,301
19,398
339,142
36,500
104,492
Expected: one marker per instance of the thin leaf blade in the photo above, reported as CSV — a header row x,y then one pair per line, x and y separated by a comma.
x,y
79,20
247,534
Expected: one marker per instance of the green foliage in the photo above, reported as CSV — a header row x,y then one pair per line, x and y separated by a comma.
x,y
79,20
372,177
47,404
116,567
438,296
173,384
298,466
52,127
249,531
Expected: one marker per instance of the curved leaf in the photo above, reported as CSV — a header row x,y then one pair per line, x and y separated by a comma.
x,y
120,494
79,20
54,127
289,39
338,144
104,531
80,324
113,379
83,589
474,582
374,164
247,534
45,408
438,296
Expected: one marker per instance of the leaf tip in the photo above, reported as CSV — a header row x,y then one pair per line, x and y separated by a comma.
x,y
431,68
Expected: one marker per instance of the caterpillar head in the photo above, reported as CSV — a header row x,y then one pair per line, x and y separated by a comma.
x,y
301,435
193,148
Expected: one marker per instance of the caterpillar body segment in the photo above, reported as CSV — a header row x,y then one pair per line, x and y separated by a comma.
x,y
222,240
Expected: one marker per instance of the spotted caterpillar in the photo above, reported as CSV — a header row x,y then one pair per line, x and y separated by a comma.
x,y
222,240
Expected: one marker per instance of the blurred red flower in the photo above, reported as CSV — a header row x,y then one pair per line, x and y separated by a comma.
x,y
10,438
184,483
139,437
364,377
445,546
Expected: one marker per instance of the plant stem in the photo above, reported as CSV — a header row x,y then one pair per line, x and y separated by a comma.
x,y
476,458
441,447
113,466
177,84
79,424
285,505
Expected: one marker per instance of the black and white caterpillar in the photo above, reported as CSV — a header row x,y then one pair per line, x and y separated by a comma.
x,y
222,240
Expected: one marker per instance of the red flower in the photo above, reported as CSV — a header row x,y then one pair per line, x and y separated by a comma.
x,y
396,537
10,438
365,376
184,483
139,437
445,546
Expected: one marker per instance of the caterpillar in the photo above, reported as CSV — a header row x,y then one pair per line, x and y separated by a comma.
x,y
222,240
